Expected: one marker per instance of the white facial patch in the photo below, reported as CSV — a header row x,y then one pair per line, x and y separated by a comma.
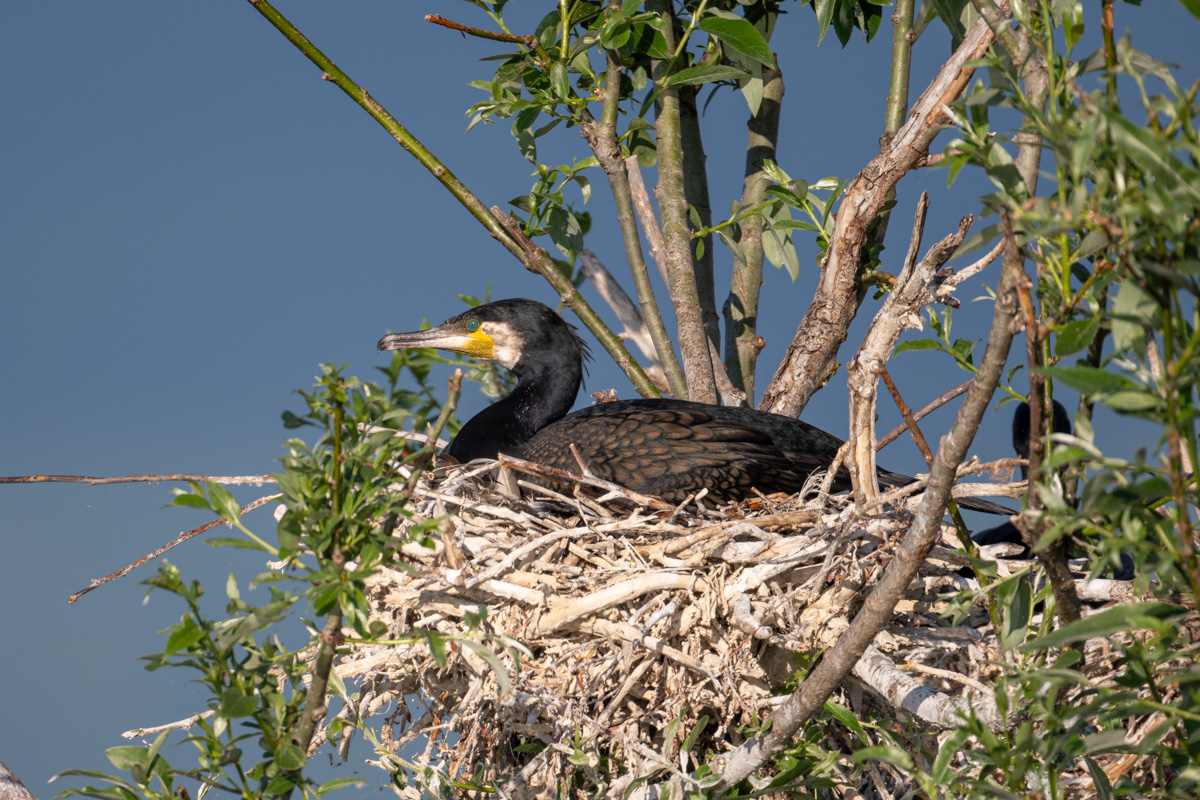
x,y
508,343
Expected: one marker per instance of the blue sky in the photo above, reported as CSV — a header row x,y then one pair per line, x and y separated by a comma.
x,y
193,221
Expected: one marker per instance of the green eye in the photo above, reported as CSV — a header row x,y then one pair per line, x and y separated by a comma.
x,y
473,326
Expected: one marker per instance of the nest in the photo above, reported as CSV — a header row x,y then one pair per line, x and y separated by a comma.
x,y
646,624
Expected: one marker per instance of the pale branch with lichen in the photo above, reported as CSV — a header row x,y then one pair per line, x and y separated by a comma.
x,y
809,360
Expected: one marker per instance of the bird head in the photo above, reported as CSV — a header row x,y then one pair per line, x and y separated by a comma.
x,y
504,331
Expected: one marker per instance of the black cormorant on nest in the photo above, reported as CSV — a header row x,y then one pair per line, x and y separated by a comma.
x,y
669,448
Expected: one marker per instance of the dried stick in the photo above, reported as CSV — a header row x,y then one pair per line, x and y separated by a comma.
x,y
950,282
180,539
646,216
900,312
929,408
567,475
226,480
910,421
882,675
563,613
182,724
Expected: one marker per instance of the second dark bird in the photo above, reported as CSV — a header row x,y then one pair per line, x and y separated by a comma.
x,y
669,448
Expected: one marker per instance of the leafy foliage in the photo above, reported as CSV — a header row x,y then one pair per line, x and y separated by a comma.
x,y
343,496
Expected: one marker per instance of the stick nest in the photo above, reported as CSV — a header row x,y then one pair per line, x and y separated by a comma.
x,y
641,620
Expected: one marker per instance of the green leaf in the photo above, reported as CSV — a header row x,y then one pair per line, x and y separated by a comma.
x,y
89,791
843,715
1120,619
289,757
186,634
1016,598
1192,6
1075,336
191,501
1090,380
943,765
280,784
493,661
918,344
1100,781
752,90
798,224
1132,311
740,35
127,757
706,74
231,541
1133,401
824,9
223,502
338,783
558,79
437,645
734,247
235,704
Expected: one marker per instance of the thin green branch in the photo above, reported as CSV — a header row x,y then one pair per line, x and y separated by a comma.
x,y
741,307
602,138
528,40
330,72
672,204
695,188
902,43
536,259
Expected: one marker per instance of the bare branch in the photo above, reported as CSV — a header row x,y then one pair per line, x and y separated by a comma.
x,y
899,312
928,409
809,360
180,539
909,555
742,342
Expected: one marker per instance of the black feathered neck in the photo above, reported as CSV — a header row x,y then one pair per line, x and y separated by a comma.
x,y
549,370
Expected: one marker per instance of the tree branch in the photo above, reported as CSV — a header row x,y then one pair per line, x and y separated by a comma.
x,y
535,259
742,344
672,204
602,138
809,360
909,555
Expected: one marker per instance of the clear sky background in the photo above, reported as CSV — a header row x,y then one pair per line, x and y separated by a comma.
x,y
192,221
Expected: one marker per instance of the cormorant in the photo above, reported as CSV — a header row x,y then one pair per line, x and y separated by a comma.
x,y
1020,441
1008,533
669,448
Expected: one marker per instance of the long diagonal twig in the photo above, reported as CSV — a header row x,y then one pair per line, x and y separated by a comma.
x,y
180,539
226,480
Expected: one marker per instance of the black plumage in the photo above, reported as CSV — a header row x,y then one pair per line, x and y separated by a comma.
x,y
1008,532
1020,440
669,448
